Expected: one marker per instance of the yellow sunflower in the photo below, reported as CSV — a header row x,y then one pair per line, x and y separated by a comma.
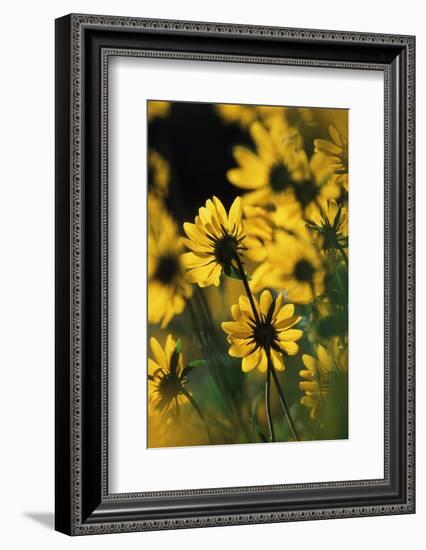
x,y
292,265
241,114
158,109
318,373
157,214
330,222
215,240
166,375
277,172
258,229
289,125
288,217
268,334
168,289
158,174
337,154
269,173
318,186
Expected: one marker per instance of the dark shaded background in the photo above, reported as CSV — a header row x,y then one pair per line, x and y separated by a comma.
x,y
198,145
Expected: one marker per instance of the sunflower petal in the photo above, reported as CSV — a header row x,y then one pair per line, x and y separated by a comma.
x,y
285,313
158,352
291,348
251,361
236,312
265,302
291,335
169,347
191,260
287,323
237,330
220,211
198,247
324,359
245,305
310,363
152,366
242,349
194,233
277,360
263,361
235,214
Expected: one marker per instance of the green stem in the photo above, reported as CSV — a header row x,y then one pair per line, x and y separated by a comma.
x,y
344,255
270,367
210,345
314,307
284,405
268,401
199,412
247,288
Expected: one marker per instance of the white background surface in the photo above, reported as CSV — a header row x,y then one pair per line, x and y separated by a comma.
x,y
132,81
26,300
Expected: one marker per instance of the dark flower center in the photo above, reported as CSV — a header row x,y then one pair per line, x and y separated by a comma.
x,y
330,238
169,387
168,268
279,178
306,192
264,334
304,271
225,249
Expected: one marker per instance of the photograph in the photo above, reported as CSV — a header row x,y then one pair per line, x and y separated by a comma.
x,y
248,257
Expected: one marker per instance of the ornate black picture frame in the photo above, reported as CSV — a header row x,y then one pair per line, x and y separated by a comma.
x,y
84,44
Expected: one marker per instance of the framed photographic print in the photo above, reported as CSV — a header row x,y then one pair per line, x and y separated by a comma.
x,y
234,274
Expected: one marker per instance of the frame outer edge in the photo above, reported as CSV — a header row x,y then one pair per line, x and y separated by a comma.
x,y
63,493
77,23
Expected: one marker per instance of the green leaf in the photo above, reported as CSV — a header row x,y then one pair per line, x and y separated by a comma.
x,y
233,273
198,363
178,347
174,360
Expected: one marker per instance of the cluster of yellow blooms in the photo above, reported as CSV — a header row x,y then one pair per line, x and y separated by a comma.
x,y
285,238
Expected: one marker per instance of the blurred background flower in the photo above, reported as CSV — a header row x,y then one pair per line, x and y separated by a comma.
x,y
158,174
168,289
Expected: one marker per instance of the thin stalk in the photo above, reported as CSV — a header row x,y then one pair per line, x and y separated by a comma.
x,y
268,402
213,334
314,307
271,369
247,287
214,364
344,255
268,374
199,412
284,405
339,279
